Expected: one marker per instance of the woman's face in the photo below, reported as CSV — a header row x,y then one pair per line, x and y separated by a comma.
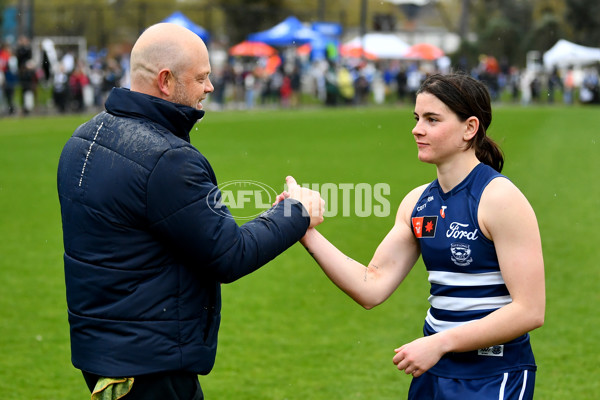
x,y
439,134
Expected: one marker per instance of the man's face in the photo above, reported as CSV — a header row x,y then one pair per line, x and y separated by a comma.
x,y
193,85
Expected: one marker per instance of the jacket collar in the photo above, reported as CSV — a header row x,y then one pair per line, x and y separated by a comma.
x,y
177,118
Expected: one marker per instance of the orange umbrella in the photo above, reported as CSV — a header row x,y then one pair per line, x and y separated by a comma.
x,y
273,62
491,65
351,51
304,50
424,51
252,49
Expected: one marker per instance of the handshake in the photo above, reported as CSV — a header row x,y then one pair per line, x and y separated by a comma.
x,y
310,199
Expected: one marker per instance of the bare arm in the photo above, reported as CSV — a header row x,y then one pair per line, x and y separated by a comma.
x,y
506,217
394,258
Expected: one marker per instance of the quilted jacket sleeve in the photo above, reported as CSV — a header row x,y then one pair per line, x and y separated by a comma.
x,y
181,200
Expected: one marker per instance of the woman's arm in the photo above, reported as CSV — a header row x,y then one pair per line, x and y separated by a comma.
x,y
506,217
392,261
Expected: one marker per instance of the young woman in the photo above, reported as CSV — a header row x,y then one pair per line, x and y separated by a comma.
x,y
480,243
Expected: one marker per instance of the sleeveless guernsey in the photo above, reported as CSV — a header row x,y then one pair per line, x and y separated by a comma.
x,y
466,283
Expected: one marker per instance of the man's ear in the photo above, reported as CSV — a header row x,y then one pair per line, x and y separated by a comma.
x,y
166,82
471,128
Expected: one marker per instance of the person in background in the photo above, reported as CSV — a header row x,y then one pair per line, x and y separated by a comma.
x,y
10,73
285,91
147,239
28,79
296,84
60,89
26,73
78,81
112,76
480,242
569,86
332,90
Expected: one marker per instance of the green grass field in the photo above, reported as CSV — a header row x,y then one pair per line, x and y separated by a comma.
x,y
287,331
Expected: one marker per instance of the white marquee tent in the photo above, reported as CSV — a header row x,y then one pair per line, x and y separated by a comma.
x,y
565,53
382,45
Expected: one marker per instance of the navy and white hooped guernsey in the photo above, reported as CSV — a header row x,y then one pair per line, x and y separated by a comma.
x,y
464,274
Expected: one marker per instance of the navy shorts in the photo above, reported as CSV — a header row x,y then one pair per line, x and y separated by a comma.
x,y
515,385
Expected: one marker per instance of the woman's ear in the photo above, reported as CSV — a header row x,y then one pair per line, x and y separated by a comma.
x,y
166,82
471,128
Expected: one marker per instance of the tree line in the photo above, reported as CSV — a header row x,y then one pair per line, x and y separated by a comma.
x,y
504,28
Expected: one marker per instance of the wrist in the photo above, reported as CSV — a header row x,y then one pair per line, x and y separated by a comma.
x,y
305,240
444,340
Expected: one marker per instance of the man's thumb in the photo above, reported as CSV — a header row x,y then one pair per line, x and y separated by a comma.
x,y
291,182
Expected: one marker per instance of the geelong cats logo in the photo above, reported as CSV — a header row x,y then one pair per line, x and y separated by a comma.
x,y
461,254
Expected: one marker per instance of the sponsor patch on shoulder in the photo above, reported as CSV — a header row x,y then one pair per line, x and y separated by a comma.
x,y
424,227
494,351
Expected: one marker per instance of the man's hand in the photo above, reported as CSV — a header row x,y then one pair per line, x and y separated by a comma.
x,y
310,199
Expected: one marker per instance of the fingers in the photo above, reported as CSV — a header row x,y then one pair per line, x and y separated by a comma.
x,y
313,204
280,197
401,362
311,200
397,358
408,368
407,364
291,182
316,217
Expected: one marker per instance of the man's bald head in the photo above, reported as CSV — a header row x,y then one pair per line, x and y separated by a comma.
x,y
163,46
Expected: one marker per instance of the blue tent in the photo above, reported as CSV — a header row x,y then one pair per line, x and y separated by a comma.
x,y
180,19
329,29
289,32
330,42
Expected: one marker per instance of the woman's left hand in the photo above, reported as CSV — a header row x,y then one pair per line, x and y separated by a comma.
x,y
418,356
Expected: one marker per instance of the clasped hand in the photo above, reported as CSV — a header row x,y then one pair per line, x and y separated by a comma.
x,y
311,200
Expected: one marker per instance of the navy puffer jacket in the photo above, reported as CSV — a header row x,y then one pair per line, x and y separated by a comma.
x,y
144,252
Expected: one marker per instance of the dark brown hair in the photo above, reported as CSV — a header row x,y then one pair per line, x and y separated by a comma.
x,y
468,97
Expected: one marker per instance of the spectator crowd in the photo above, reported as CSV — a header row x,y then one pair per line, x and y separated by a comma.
x,y
71,85
67,85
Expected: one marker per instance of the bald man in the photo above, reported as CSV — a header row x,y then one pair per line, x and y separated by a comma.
x,y
145,250
171,62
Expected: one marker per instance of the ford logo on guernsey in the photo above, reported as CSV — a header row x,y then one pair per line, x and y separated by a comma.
x,y
245,199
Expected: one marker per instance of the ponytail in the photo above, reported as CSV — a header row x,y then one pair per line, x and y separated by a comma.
x,y
488,152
